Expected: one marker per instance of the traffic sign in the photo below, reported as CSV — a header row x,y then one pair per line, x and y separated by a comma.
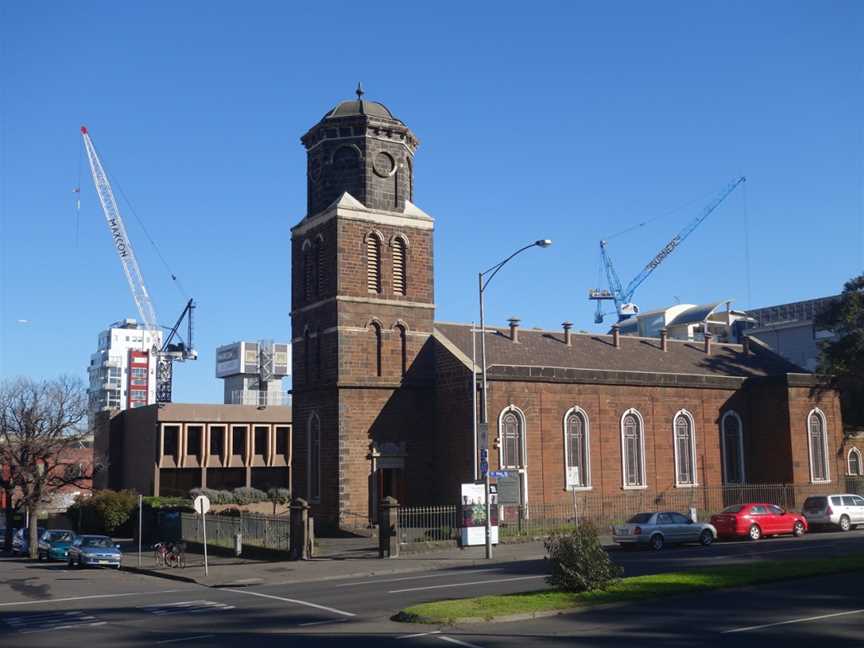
x,y
201,504
484,468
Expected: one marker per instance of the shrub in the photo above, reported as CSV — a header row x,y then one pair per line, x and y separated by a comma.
x,y
104,510
279,495
247,495
159,502
215,496
579,562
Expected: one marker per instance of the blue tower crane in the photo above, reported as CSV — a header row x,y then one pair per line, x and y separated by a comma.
x,y
623,297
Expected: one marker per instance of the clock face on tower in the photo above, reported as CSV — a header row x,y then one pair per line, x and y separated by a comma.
x,y
383,165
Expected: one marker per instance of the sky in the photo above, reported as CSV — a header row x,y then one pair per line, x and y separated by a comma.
x,y
572,121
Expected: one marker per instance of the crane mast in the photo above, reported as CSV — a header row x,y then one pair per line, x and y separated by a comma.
x,y
170,350
623,296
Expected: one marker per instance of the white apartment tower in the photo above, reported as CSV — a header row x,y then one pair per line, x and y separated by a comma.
x,y
122,371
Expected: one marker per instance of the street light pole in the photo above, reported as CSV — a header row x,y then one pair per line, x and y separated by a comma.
x,y
482,285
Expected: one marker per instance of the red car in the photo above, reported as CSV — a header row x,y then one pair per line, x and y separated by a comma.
x,y
757,520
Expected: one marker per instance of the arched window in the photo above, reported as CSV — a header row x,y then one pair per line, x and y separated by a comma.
x,y
373,263
318,354
818,442
577,449
632,450
512,430
732,434
685,449
377,341
308,271
854,460
403,347
320,270
307,356
314,457
400,277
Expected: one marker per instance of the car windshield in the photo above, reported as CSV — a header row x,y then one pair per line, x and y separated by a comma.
x,y
102,543
59,536
640,518
735,508
815,503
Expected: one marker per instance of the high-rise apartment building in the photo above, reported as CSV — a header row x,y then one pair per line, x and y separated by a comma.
x,y
123,371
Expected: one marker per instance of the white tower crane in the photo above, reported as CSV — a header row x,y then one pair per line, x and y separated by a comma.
x,y
169,352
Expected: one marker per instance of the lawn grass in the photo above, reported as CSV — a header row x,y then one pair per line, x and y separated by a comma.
x,y
635,588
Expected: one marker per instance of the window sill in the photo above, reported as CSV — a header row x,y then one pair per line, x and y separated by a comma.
x,y
820,481
578,488
686,485
643,487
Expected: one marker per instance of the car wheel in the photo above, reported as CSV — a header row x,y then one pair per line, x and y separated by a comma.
x,y
706,538
798,529
755,533
656,542
844,523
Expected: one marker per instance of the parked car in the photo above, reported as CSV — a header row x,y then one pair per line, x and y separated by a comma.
x,y
658,529
54,544
21,540
756,520
94,550
843,511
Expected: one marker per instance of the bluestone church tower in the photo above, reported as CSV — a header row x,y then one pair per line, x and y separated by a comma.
x,y
362,310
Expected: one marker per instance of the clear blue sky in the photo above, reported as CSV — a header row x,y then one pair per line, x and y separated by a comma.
x,y
563,120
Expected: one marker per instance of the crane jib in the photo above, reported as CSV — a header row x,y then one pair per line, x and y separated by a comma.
x,y
119,239
666,251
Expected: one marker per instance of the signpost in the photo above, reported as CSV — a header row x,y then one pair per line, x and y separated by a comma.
x,y
201,506
140,525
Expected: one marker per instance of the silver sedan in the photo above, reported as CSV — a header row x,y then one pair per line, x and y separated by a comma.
x,y
658,529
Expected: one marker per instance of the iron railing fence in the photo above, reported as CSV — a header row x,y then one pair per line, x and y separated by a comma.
x,y
257,530
427,524
539,519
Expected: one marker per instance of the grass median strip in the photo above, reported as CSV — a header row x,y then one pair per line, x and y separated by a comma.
x,y
635,588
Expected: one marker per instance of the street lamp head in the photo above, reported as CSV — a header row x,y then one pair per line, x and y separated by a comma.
x,y
544,243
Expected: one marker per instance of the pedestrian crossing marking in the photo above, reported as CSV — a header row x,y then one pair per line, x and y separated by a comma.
x,y
185,607
48,621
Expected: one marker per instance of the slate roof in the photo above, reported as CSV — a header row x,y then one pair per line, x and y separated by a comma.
x,y
355,107
596,352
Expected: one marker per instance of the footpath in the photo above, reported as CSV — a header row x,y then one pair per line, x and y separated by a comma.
x,y
340,559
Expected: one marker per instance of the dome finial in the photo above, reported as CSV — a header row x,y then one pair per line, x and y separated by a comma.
x,y
359,91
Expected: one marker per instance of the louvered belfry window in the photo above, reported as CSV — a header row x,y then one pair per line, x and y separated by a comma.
x,y
308,273
399,270
373,263
320,275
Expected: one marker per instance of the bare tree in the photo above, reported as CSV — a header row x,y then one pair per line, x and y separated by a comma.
x,y
41,423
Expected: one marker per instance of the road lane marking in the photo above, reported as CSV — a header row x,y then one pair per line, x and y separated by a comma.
x,y
51,621
170,641
791,621
484,582
458,643
295,601
85,598
315,623
419,634
185,607
406,578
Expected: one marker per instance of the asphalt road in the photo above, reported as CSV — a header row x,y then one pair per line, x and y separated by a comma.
x,y
50,605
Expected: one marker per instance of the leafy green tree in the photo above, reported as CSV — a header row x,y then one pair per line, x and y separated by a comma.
x,y
843,355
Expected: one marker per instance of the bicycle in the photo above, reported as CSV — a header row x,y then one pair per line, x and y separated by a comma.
x,y
160,553
176,555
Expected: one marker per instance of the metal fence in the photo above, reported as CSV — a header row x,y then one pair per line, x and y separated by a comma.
x,y
425,524
256,530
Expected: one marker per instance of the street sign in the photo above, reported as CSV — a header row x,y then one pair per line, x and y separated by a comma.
x,y
484,454
201,504
484,468
483,435
499,473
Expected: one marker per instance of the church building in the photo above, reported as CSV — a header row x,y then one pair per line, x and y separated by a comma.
x,y
382,393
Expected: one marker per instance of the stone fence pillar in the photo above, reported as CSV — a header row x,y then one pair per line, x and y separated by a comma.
x,y
302,539
388,528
